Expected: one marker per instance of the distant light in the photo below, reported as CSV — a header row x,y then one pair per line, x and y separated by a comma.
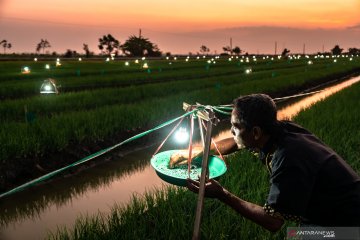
x,y
167,58
204,57
143,58
272,59
208,61
48,87
145,65
136,61
170,63
254,59
186,60
181,135
126,63
248,71
175,58
25,70
47,66
350,59
112,58
310,62
58,64
241,60
335,60
58,59
229,59
35,59
80,59
107,59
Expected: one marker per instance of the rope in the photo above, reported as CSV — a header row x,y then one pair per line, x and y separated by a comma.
x,y
297,95
190,143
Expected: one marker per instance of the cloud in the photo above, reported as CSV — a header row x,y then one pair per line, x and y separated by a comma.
x,y
355,27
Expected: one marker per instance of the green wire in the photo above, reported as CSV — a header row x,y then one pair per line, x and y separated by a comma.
x,y
92,156
103,151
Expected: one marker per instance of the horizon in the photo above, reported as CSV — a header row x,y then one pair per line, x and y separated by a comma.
x,y
182,27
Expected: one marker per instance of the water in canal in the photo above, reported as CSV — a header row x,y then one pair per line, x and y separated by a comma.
x,y
30,214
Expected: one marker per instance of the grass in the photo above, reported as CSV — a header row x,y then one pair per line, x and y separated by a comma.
x,y
169,213
96,113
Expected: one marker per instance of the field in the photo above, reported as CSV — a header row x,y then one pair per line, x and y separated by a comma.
x,y
169,213
103,101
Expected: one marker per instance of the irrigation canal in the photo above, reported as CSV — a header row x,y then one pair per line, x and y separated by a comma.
x,y
30,214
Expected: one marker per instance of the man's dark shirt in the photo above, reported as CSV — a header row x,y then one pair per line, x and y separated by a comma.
x,y
309,180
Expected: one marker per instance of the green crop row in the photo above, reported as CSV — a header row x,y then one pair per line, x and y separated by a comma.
x,y
71,77
169,213
49,134
47,106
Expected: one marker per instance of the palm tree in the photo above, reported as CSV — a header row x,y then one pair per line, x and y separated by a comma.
x,y
5,44
42,45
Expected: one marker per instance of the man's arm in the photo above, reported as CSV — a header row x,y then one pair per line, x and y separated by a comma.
x,y
249,210
252,212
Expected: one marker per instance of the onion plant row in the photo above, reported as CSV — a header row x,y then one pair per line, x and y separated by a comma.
x,y
169,213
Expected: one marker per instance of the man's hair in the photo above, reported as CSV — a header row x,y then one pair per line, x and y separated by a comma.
x,y
256,110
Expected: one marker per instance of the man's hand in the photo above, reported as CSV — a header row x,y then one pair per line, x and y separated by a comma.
x,y
180,157
213,189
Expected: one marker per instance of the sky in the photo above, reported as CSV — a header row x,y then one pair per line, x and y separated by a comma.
x,y
182,26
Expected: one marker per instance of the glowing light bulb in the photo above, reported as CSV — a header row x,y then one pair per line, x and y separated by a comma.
x,y
47,87
181,135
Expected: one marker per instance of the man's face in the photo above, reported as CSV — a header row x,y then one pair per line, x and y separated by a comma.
x,y
242,137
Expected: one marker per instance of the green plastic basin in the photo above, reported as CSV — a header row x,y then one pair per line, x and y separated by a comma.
x,y
177,176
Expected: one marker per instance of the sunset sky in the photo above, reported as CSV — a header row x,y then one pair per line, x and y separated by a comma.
x,y
68,24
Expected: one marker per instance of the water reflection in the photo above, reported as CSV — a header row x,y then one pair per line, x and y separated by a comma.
x,y
32,202
27,214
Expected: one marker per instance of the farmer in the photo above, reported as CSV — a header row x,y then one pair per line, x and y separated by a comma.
x,y
309,182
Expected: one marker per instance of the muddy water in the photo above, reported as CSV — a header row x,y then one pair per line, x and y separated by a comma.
x,y
30,214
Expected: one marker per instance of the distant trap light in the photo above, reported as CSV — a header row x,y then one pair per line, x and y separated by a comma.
x,y
248,70
35,59
167,58
310,62
126,63
351,59
335,60
181,136
25,70
47,66
49,87
80,59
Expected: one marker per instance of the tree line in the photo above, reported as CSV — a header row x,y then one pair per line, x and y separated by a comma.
x,y
136,46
